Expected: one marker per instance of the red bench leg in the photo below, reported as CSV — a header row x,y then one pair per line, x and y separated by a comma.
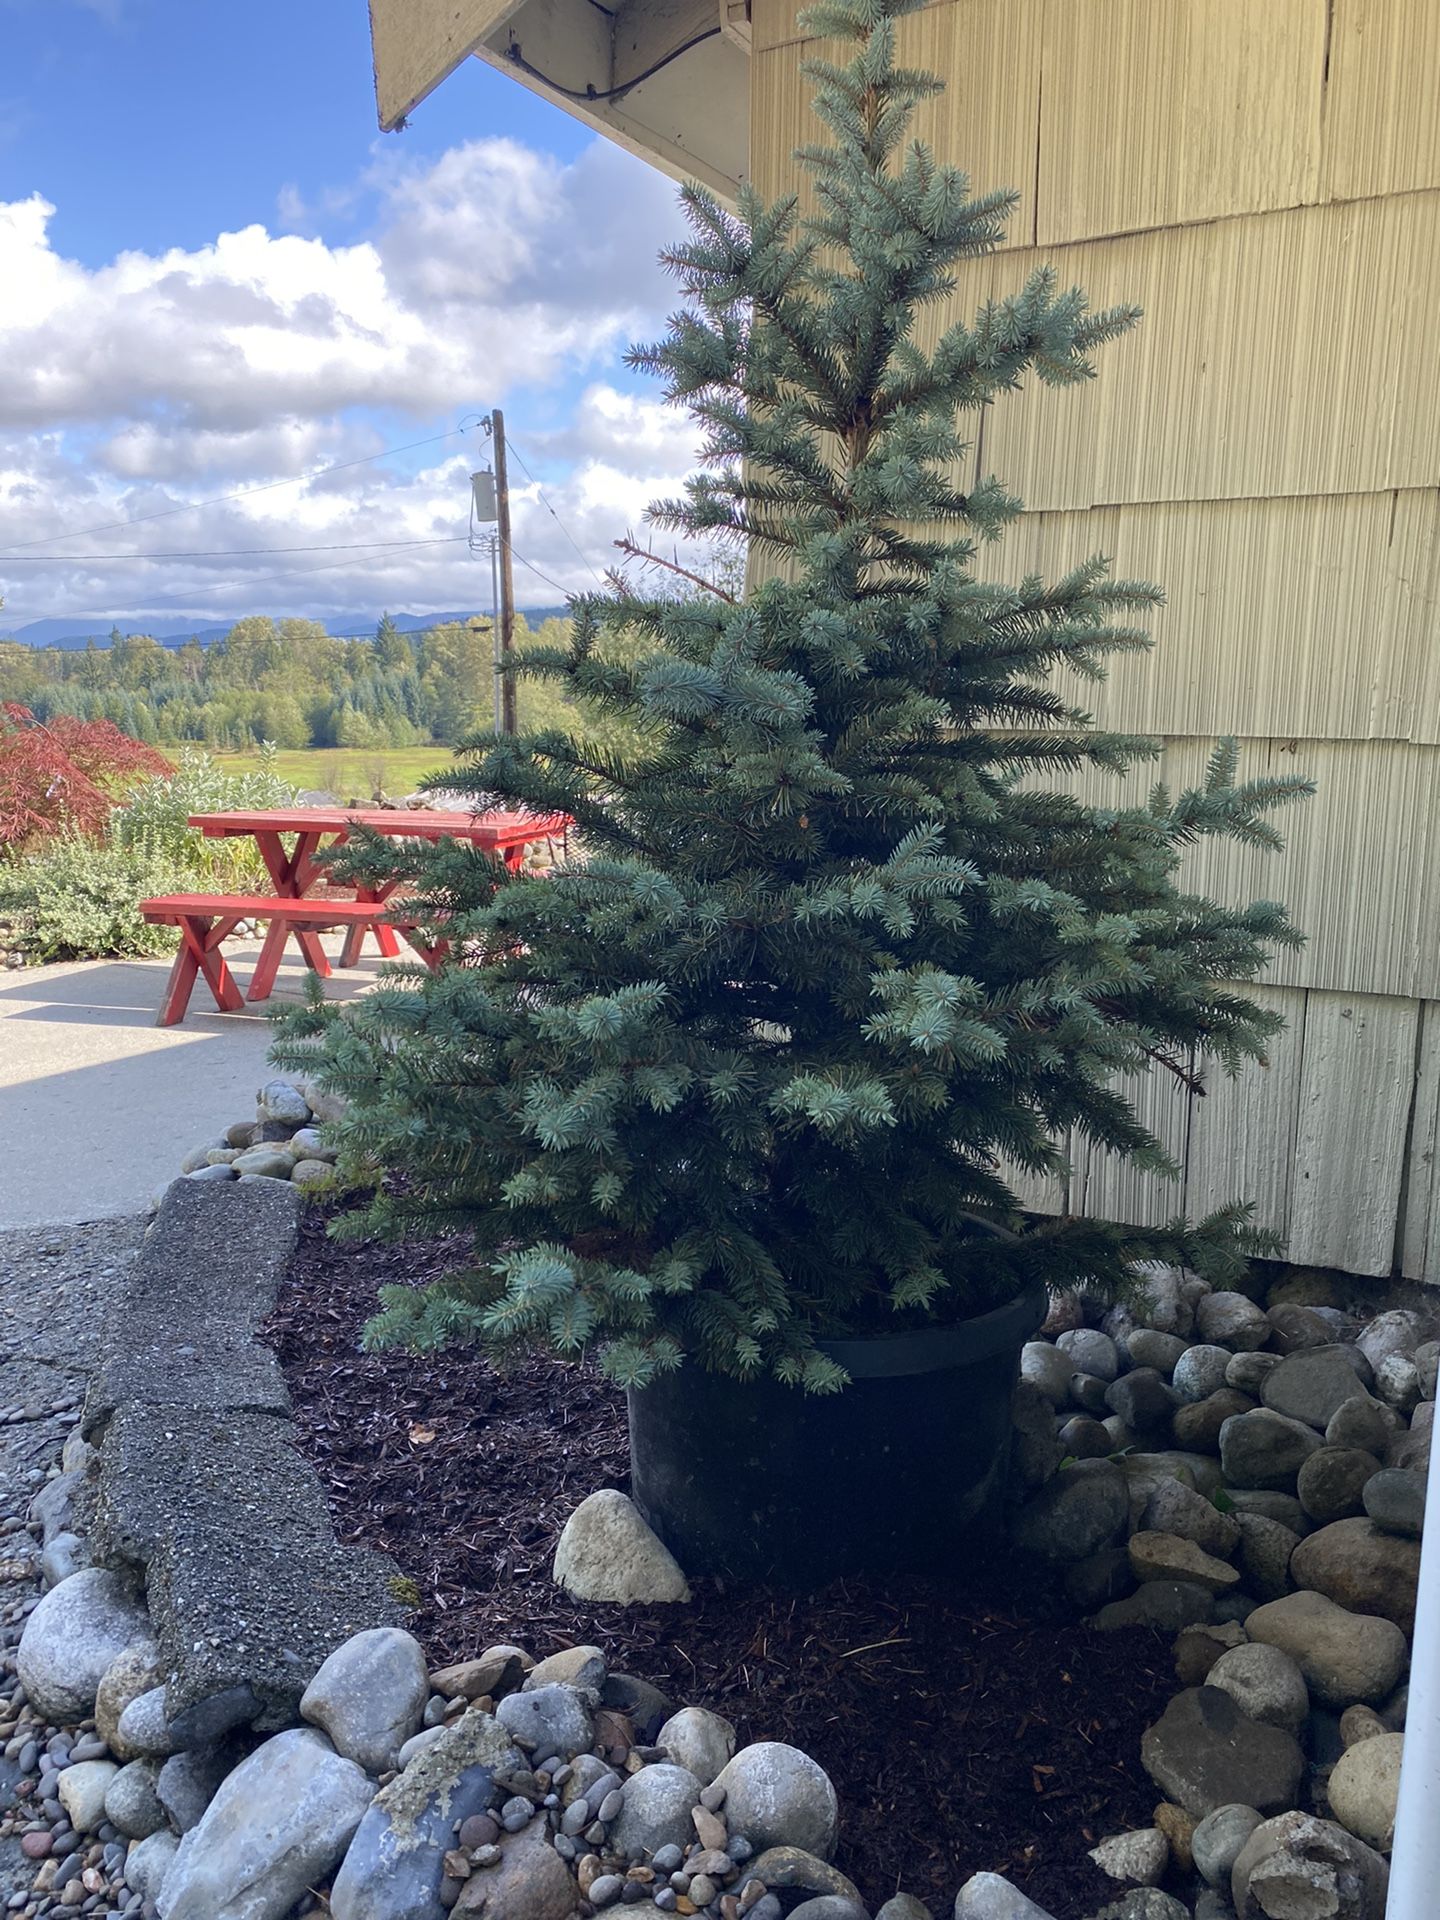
x,y
268,965
355,939
200,938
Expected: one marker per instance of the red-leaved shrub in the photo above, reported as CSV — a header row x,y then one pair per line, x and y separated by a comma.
x,y
64,775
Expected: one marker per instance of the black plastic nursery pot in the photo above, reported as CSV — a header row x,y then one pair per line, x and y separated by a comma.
x,y
902,1471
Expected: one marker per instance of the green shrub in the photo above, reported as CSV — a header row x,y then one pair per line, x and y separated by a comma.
x,y
80,900
153,825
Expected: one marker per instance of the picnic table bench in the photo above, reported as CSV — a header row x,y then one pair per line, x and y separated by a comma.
x,y
306,902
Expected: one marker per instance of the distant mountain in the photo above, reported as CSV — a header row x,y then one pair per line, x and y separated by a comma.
x,y
171,632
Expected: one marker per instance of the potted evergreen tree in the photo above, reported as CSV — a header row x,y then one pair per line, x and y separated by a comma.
x,y
730,1098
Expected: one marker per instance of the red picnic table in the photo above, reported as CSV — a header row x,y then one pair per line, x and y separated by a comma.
x,y
304,901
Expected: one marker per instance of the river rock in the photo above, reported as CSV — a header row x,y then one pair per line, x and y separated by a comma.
x,y
1364,1787
1397,1382
778,1796
1297,1327
1048,1370
394,1864
1166,1556
530,1881
186,1784
989,1896
1270,1504
278,1824
1344,1656
76,1633
1205,1753
1168,1604
1266,1448
1331,1483
1035,1450
1199,1372
1395,1501
1361,1723
792,1868
1160,1300
1198,1425
1266,1549
148,1862
1299,1868
1143,1903
1142,1399
1360,1567
607,1552
1410,1447
1313,1385
1399,1332
369,1696
1231,1320
1218,1840
655,1812
554,1717
1363,1422
1175,1508
82,1791
1147,1348
132,1802
1264,1683
701,1742
1246,1371
1082,1438
143,1728
1083,1508
497,1672
1135,1859
136,1672
1090,1351
278,1100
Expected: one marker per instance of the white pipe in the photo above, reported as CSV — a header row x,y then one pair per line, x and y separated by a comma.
x,y
1415,1858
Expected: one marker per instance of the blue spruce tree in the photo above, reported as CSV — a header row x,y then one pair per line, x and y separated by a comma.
x,y
836,943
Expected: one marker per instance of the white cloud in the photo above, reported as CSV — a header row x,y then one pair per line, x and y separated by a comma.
x,y
158,379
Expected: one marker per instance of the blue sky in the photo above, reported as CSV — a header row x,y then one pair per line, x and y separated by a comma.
x,y
215,272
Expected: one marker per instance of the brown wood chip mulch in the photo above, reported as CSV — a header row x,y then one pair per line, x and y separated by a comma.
x,y
964,1730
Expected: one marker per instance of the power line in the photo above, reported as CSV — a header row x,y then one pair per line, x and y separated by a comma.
x,y
515,554
241,493
540,491
210,553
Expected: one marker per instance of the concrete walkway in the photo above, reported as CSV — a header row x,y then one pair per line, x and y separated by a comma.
x,y
98,1105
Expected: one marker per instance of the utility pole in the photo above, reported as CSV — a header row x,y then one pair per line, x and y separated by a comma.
x,y
507,575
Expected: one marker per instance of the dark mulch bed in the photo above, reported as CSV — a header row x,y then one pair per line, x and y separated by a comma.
x,y
964,1730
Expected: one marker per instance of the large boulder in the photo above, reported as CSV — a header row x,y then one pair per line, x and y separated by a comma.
x,y
369,1696
778,1796
278,1824
394,1864
1299,1868
1360,1566
76,1633
1204,1753
607,1552
1344,1656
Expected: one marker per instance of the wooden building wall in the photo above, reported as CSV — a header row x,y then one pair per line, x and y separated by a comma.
x,y
1263,177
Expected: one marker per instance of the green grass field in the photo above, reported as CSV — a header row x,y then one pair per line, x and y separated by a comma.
x,y
350,773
